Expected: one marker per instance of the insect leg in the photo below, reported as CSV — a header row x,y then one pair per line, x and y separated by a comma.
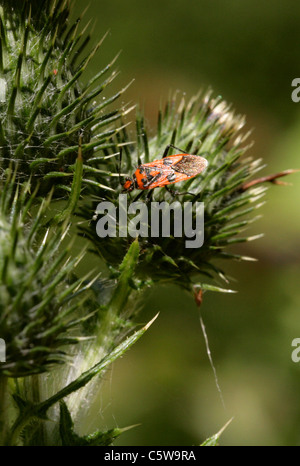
x,y
174,147
177,193
138,196
149,196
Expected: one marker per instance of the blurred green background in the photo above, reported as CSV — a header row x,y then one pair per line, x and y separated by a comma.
x,y
249,52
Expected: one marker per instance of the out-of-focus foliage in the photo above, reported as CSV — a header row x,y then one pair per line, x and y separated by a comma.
x,y
248,51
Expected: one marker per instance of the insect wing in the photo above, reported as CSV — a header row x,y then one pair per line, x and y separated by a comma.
x,y
169,170
190,165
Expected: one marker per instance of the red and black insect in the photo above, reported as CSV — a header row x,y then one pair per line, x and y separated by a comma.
x,y
168,170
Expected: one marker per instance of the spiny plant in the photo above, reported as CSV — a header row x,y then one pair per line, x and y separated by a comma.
x,y
50,317
51,314
60,148
43,104
35,329
208,127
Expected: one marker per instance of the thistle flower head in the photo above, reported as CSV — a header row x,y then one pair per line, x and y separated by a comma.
x,y
43,104
207,127
40,298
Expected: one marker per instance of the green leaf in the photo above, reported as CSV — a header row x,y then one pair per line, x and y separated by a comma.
x,y
39,410
123,288
84,378
75,190
70,438
213,441
207,287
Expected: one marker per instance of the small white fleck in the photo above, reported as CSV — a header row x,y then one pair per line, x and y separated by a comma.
x,y
3,89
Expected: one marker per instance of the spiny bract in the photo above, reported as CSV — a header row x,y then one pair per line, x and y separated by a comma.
x,y
43,104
